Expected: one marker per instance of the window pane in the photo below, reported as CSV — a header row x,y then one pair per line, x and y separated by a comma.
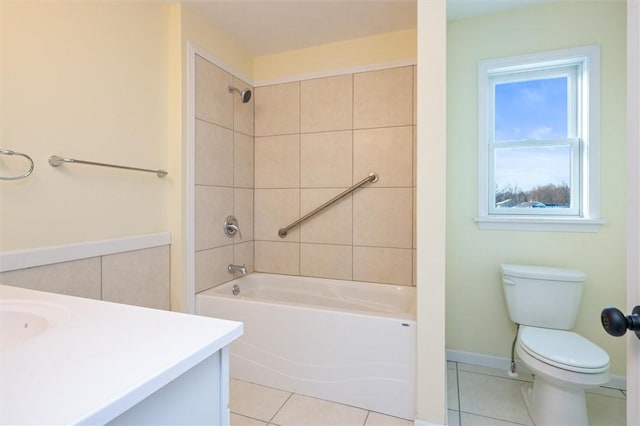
x,y
537,177
532,109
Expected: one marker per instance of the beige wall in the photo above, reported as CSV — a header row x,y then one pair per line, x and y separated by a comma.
x,y
107,81
477,320
197,31
314,139
87,80
398,46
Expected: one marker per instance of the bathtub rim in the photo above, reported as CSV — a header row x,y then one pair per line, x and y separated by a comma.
x,y
407,316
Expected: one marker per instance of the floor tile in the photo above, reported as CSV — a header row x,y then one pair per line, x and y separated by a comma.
x,y
453,418
302,410
493,397
610,392
494,372
255,401
475,396
452,390
238,420
467,419
377,419
606,411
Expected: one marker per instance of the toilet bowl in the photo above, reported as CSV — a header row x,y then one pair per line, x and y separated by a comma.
x,y
544,302
564,364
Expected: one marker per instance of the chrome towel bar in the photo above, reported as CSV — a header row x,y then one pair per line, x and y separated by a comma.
x,y
9,152
371,178
55,161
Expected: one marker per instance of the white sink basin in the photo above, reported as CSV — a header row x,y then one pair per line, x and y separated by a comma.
x,y
22,320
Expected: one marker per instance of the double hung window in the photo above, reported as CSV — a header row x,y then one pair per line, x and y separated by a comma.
x,y
538,141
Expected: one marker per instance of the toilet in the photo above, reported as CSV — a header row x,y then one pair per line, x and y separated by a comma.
x,y
544,302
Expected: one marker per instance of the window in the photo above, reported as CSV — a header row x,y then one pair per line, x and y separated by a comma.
x,y
538,119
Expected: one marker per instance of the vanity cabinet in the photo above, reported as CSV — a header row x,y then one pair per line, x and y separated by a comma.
x,y
92,362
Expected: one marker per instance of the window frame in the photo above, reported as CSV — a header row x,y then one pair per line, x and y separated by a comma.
x,y
583,136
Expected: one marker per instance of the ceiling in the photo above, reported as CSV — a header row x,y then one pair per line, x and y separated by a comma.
x,y
269,26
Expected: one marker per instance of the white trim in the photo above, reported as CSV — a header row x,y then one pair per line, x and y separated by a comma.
x,y
633,206
190,179
501,363
484,360
419,422
336,72
21,259
589,220
193,49
540,223
553,58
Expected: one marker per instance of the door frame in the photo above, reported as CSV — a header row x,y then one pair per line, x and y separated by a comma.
x,y
633,212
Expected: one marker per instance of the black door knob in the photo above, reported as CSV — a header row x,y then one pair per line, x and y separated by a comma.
x,y
616,323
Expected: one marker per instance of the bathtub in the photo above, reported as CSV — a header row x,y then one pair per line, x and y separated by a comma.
x,y
342,341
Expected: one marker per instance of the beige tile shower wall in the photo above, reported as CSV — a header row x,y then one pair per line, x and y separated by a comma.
x,y
138,277
315,138
224,175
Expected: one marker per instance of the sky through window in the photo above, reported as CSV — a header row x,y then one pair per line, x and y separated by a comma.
x,y
534,109
531,109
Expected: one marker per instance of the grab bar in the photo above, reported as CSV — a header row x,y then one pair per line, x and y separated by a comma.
x,y
371,178
55,161
9,152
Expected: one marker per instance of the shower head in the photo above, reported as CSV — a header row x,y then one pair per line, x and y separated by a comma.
x,y
245,94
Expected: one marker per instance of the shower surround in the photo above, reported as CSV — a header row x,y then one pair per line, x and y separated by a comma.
x,y
223,174
312,139
315,138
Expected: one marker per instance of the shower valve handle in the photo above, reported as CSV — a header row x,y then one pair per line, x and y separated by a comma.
x,y
616,323
231,227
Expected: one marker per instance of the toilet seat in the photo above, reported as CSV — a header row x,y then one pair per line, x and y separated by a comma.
x,y
563,349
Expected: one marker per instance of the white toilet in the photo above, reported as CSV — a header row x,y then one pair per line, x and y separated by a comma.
x,y
545,301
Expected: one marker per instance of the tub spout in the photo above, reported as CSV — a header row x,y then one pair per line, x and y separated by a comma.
x,y
237,268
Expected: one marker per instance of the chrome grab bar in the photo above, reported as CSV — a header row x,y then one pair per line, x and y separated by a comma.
x,y
55,161
9,152
371,178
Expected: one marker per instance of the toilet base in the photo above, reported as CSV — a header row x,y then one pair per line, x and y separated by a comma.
x,y
549,404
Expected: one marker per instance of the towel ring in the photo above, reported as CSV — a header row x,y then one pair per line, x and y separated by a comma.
x,y
9,152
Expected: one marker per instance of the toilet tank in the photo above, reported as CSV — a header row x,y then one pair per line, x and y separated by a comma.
x,y
541,296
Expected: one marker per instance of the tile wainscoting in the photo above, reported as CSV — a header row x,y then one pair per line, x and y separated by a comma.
x,y
133,270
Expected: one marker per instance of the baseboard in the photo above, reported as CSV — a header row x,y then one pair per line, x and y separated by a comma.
x,y
501,363
419,422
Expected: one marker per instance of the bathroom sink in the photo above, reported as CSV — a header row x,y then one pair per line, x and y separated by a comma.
x,y
22,320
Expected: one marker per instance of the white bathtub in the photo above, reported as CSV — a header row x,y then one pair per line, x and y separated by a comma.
x,y
343,341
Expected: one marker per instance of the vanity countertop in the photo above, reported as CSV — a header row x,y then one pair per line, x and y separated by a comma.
x,y
98,359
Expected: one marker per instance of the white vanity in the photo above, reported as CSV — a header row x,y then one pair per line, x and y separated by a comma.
x,y
68,360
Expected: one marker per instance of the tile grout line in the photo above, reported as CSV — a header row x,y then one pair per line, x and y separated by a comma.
x,y
299,134
458,392
248,417
492,418
353,213
281,407
366,418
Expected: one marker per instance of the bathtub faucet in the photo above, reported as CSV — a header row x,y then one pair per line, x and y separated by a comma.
x,y
237,268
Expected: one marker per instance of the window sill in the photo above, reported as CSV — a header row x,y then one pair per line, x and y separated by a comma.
x,y
529,223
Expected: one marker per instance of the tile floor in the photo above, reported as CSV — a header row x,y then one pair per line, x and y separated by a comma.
x,y
476,396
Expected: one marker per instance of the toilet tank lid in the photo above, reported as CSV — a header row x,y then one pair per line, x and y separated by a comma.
x,y
542,273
